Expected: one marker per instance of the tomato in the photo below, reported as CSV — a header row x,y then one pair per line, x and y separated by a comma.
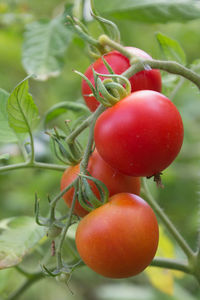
x,y
144,80
141,135
120,238
98,168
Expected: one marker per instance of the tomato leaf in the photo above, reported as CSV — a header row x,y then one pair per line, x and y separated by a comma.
x,y
18,235
63,107
22,111
150,11
45,43
6,133
171,48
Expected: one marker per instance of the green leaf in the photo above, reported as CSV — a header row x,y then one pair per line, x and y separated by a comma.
x,y
18,235
150,11
22,111
63,107
171,48
6,133
45,43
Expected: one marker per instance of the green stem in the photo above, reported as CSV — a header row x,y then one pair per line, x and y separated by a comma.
x,y
104,40
87,152
171,264
78,130
140,64
32,158
168,66
31,280
23,272
55,200
34,165
170,226
65,229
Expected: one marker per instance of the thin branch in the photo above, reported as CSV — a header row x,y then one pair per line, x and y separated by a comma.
x,y
171,264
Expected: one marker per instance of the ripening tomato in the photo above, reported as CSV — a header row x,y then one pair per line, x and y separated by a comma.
x,y
140,135
144,80
98,168
120,238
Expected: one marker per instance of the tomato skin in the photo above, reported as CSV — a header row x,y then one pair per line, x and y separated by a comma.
x,y
98,168
144,80
120,238
141,135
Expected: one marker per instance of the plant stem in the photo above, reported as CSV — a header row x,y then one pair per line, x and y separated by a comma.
x,y
104,40
170,226
171,264
54,201
141,64
87,152
78,130
32,279
65,229
32,158
169,66
34,165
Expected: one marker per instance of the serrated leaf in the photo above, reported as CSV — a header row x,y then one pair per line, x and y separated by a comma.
x,y
22,111
6,133
171,48
150,11
45,43
63,107
18,236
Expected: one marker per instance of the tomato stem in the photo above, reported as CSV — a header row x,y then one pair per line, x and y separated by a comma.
x,y
87,153
139,64
65,229
168,66
104,40
171,264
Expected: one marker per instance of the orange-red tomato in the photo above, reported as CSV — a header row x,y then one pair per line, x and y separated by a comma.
x,y
98,168
120,238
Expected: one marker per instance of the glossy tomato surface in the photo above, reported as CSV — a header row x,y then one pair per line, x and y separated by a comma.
x,y
141,135
98,168
144,80
120,238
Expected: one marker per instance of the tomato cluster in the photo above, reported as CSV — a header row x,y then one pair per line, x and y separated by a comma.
x,y
139,136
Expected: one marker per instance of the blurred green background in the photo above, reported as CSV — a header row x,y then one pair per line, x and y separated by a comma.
x,y
180,196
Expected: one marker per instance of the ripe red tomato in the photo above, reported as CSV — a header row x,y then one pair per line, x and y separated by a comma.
x,y
98,168
120,238
141,135
144,80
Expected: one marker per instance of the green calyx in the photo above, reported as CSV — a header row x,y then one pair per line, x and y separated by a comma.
x,y
68,153
109,90
86,197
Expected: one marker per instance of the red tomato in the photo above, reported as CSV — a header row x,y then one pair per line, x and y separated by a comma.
x,y
141,135
144,80
120,238
98,168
